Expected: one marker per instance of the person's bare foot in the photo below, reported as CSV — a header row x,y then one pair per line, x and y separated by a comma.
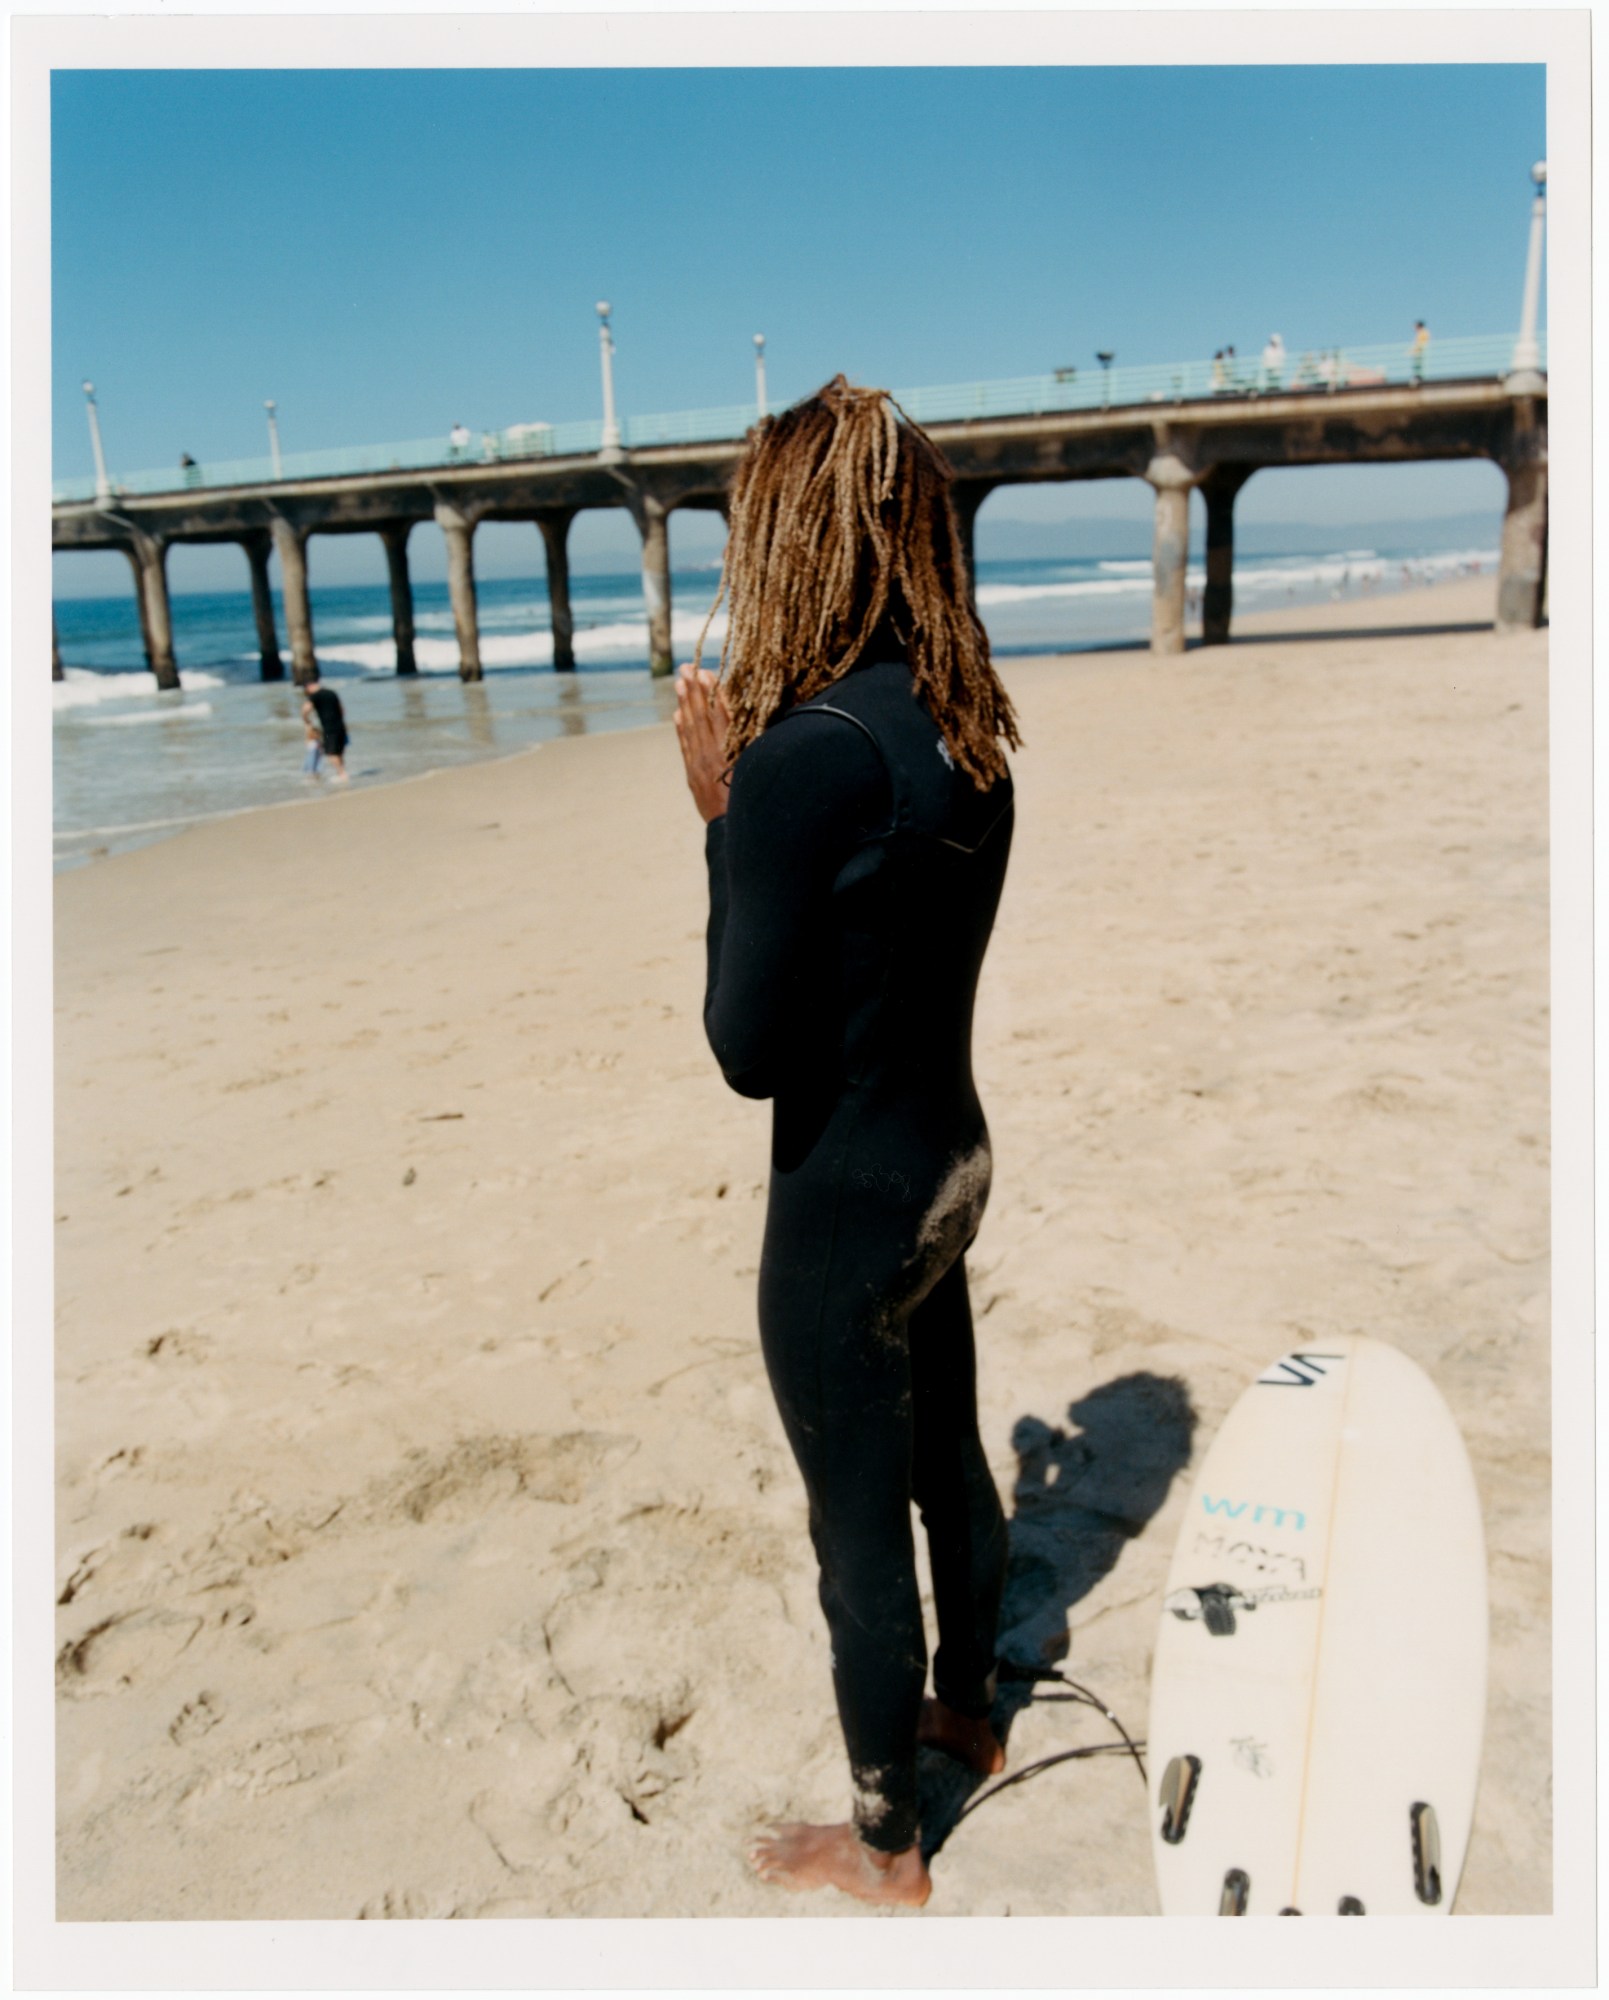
x,y
835,1857
970,1742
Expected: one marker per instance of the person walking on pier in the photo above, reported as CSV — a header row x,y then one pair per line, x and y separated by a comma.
x,y
1420,348
850,769
1274,361
331,717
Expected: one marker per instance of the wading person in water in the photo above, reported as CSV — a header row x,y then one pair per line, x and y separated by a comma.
x,y
849,765
329,718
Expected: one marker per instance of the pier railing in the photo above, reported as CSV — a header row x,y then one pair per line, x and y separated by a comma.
x,y
1308,371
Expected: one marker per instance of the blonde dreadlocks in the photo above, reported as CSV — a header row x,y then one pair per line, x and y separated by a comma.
x,y
842,529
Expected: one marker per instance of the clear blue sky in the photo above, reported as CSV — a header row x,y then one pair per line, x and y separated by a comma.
x,y
387,251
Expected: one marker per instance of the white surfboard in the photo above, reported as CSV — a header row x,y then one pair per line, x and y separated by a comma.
x,y
1319,1686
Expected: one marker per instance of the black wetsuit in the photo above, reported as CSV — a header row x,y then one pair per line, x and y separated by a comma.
x,y
853,886
331,719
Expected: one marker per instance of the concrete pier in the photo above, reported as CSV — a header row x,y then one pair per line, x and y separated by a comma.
x,y
556,546
151,558
395,538
1218,490
1171,480
1522,566
457,524
290,545
1201,439
259,547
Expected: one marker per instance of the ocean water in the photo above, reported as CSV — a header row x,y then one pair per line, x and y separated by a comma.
x,y
132,764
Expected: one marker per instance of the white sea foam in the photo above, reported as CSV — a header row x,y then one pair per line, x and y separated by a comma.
x,y
1333,571
1324,573
190,711
1095,586
83,688
623,639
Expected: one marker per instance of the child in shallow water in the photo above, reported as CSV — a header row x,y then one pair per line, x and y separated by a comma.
x,y
315,742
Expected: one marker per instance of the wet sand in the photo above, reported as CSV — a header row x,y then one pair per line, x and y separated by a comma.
x,y
428,1544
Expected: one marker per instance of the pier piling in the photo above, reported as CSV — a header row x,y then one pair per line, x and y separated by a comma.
x,y
1218,489
258,548
56,673
139,603
653,524
290,545
151,558
1522,566
458,526
556,545
967,496
1171,481
395,538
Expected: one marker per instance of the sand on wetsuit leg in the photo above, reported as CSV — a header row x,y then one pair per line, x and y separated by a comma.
x,y
956,1210
948,1225
872,1803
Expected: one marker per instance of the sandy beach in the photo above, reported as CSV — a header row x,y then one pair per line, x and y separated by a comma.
x,y
428,1543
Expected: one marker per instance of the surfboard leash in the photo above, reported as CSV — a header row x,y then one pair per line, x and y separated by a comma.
x,y
1017,1670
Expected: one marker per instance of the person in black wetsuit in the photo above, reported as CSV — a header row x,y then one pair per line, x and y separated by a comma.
x,y
330,717
856,850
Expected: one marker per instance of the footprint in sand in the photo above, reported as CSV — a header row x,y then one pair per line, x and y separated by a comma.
x,y
569,1284
179,1343
127,1560
302,1756
477,1474
396,1903
122,1649
261,1080
196,1718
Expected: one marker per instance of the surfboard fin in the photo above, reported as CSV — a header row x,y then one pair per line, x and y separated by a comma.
x,y
1236,1889
1349,1906
1178,1795
1426,1852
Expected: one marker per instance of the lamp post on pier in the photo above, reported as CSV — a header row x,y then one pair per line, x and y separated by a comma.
x,y
273,438
1106,360
609,451
1525,370
759,372
103,486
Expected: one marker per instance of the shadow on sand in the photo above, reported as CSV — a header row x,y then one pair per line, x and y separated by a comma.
x,y
1079,1495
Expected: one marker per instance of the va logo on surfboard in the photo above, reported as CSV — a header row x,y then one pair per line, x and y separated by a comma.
x,y
1300,1371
